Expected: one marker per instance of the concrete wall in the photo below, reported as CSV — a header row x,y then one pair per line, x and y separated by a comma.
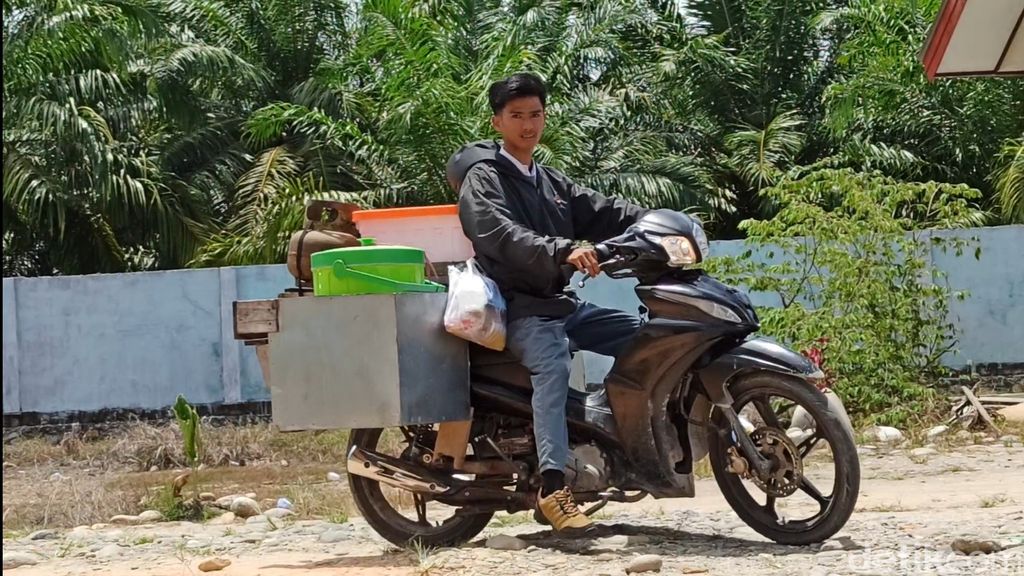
x,y
138,340
130,340
991,319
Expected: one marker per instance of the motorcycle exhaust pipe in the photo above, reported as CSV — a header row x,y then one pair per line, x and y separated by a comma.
x,y
391,471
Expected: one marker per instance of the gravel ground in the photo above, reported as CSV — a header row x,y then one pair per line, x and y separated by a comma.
x,y
912,507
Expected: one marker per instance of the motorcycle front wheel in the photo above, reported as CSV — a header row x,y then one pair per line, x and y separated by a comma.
x,y
815,478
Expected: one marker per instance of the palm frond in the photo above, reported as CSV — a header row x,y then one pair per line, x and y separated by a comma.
x,y
1009,181
760,156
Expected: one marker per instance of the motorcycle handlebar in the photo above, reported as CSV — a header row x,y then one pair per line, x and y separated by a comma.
x,y
604,253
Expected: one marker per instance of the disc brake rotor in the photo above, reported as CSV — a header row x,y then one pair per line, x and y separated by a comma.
x,y
787,469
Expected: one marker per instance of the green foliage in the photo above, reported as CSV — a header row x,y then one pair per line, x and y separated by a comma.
x,y
880,96
1009,180
155,134
172,507
188,421
99,110
376,123
848,258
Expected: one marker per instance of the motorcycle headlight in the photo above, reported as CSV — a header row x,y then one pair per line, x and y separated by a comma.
x,y
680,251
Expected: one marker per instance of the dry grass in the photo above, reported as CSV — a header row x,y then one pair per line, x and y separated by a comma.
x,y
141,446
916,435
103,477
996,500
328,501
426,563
897,507
1014,428
32,500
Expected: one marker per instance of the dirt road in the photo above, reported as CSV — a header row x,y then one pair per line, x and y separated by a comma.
x,y
911,508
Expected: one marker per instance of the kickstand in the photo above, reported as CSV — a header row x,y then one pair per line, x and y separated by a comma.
x,y
619,497
593,509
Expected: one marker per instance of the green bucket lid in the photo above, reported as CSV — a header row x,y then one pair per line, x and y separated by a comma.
x,y
368,253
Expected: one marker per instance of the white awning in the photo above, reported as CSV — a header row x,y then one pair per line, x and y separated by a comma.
x,y
976,38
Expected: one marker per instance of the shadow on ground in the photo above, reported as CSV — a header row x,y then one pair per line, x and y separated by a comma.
x,y
640,538
386,560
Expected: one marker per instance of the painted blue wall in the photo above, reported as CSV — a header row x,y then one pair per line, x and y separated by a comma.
x,y
124,340
138,340
991,318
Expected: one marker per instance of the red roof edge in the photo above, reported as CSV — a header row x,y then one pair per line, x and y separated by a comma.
x,y
940,34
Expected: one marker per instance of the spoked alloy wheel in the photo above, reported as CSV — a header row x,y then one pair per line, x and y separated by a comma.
x,y
404,518
815,478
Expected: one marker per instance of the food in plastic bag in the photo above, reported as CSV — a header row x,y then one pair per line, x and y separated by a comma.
x,y
476,308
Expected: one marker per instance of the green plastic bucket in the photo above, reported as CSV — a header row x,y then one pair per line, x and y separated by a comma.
x,y
370,269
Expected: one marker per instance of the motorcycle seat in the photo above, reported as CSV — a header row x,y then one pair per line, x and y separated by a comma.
x,y
504,367
480,356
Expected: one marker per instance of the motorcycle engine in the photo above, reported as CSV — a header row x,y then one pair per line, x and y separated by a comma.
x,y
515,442
587,469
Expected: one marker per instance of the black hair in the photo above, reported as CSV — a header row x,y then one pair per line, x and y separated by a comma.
x,y
519,85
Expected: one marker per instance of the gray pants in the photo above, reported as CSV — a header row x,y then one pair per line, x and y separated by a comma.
x,y
542,345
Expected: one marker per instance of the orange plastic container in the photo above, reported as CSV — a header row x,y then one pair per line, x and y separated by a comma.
x,y
434,229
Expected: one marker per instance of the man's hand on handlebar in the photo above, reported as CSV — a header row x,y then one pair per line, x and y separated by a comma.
x,y
585,260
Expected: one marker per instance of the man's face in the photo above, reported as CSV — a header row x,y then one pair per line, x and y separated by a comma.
x,y
521,123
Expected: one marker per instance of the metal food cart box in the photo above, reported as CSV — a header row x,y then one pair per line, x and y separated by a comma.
x,y
365,361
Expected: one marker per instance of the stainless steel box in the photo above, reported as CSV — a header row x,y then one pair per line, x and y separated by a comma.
x,y
366,361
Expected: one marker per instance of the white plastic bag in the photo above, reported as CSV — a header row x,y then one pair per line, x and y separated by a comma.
x,y
476,308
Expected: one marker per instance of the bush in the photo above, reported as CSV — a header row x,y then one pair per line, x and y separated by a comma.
x,y
847,255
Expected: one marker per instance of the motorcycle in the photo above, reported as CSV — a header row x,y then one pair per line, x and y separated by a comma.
x,y
694,382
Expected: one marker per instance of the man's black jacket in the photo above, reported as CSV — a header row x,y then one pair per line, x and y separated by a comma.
x,y
523,231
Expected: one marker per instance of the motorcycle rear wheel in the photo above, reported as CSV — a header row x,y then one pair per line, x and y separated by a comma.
x,y
835,509
388,520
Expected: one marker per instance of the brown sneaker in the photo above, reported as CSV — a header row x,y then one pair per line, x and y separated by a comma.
x,y
564,516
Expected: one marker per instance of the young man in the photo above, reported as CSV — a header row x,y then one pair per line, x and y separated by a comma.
x,y
523,220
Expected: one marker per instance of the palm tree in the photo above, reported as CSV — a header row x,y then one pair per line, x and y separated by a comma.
x,y
265,175
98,96
953,129
410,88
849,69
1009,181
786,56
145,134
766,110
